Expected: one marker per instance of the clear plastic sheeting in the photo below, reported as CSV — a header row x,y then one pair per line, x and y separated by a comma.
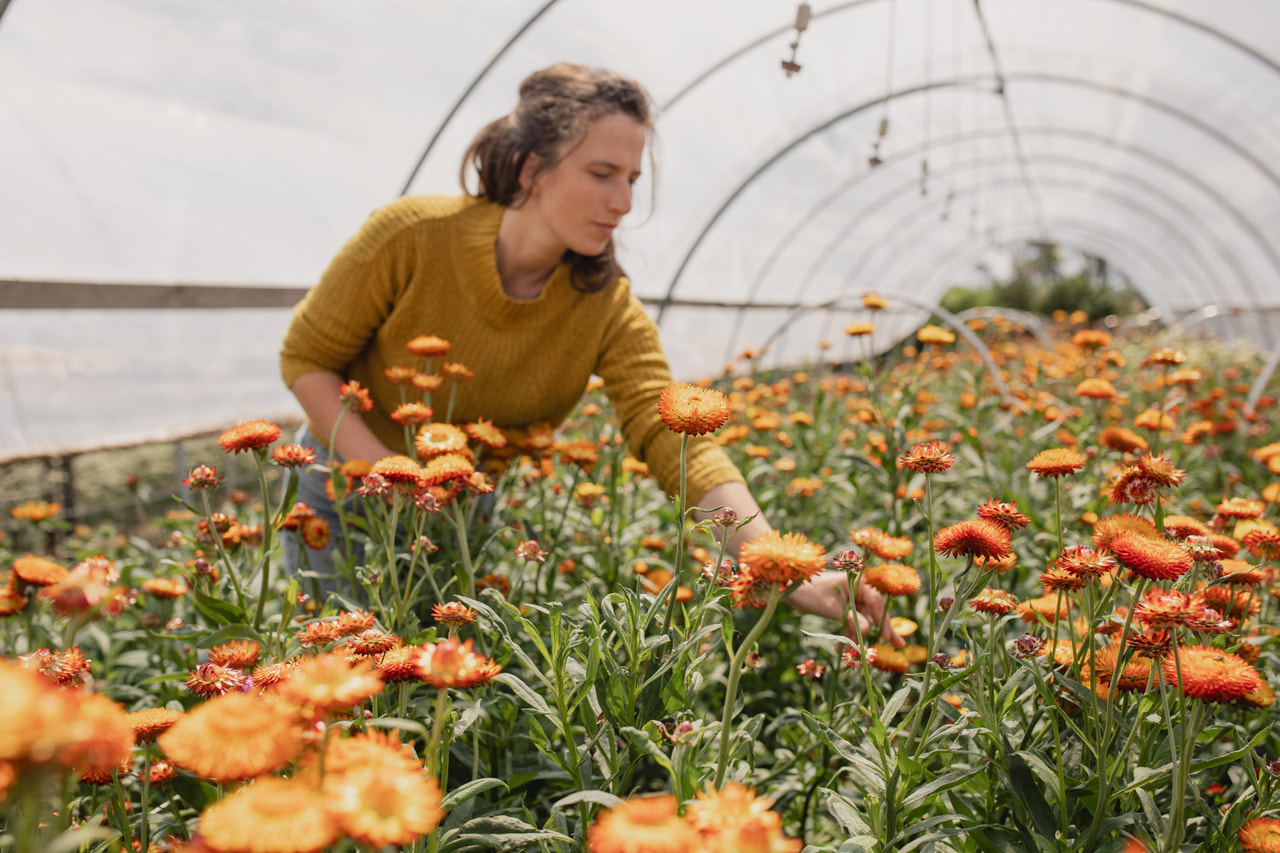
x,y
241,143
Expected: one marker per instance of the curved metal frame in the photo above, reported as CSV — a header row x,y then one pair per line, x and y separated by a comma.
x,y
1147,156
1169,109
1027,225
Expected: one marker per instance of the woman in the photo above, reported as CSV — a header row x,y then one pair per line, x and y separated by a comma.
x,y
520,277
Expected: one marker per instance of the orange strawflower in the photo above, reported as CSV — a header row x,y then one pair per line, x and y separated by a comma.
x,y
881,544
457,371
269,675
1121,439
1153,420
1182,526
1054,579
928,457
319,633
886,658
352,622
931,334
36,511
1211,675
427,382
486,433
1156,559
150,723
293,456
372,643
642,825
735,820
1056,462
453,664
211,679
398,469
873,302
1226,545
427,346
399,375
65,668
1084,562
438,439
383,804
38,571
858,329
233,737
250,435
1134,676
411,414
1242,573
1163,610
1095,388
355,397
1107,529
1260,835
977,537
893,579
1004,514
1263,543
315,533
995,601
782,558
1091,339
1051,608
270,816
399,664
167,588
691,410
237,654
446,468
455,614
1165,356
329,683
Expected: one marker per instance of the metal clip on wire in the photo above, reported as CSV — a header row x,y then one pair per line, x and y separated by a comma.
x,y
803,13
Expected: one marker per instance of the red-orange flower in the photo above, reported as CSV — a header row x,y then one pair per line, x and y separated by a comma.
x,y
1107,529
1095,388
168,588
457,371
1182,526
36,511
1051,608
233,737
1091,339
454,614
1056,462
398,469
329,683
237,654
881,544
150,723
976,537
1004,514
486,433
1263,543
928,457
1085,562
1211,675
293,456
1121,439
1162,610
355,397
1156,559
210,679
250,435
1260,835
270,816
691,410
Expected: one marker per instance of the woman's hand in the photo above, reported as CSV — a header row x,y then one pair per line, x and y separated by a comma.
x,y
826,594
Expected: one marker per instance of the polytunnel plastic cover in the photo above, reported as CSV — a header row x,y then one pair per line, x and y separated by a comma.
x,y
237,145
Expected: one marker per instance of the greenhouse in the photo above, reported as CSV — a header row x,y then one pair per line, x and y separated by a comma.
x,y
923,493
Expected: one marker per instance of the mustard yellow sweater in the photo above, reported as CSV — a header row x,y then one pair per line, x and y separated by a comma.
x,y
427,265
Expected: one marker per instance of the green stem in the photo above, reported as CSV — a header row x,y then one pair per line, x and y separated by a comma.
x,y
268,526
678,561
735,673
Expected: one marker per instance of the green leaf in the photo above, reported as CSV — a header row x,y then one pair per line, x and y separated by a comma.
x,y
217,610
399,723
942,783
231,632
192,791
168,676
1154,819
525,692
1024,786
845,814
78,839
470,790
600,798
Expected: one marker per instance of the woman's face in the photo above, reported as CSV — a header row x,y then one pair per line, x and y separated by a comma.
x,y
583,198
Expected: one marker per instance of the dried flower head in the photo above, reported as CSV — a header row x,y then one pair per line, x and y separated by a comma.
x,y
270,816
293,456
892,579
931,334
782,558
233,737
486,433
454,664
202,478
250,435
993,601
1004,514
1056,462
427,346
354,397
974,537
928,457
645,823
692,410
411,414
1211,675
237,654
438,439
455,614
1156,559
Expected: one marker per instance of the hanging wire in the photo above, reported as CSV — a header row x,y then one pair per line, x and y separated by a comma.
x,y
1037,207
928,95
874,160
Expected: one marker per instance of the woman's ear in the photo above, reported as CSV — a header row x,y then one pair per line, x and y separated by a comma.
x,y
528,171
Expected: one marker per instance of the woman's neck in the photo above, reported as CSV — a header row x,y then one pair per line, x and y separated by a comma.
x,y
526,254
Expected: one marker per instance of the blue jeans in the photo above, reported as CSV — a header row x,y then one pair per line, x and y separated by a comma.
x,y
315,568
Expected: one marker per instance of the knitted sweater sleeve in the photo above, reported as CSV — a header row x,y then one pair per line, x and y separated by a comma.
x,y
635,371
339,316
